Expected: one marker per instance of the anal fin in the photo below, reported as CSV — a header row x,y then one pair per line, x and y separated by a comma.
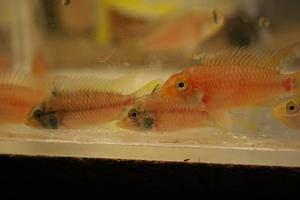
x,y
223,119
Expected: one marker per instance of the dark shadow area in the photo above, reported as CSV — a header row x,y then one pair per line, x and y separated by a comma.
x,y
33,173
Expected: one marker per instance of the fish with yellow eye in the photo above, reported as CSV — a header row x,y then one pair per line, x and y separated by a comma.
x,y
82,102
288,112
233,79
157,113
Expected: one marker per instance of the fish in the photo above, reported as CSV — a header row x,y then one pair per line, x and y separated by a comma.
x,y
288,112
233,79
19,92
157,113
182,33
83,101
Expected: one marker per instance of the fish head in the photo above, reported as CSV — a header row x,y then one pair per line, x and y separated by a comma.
x,y
180,87
134,118
39,118
288,112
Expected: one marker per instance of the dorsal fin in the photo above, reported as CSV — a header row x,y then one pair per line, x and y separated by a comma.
x,y
271,59
94,82
73,83
88,82
18,78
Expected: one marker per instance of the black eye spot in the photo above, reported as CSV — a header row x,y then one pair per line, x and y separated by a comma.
x,y
292,107
134,114
181,84
37,114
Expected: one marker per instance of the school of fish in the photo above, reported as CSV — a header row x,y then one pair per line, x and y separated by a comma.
x,y
198,96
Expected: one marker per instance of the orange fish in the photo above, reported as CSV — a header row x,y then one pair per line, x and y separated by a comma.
x,y
19,92
157,113
288,112
78,102
181,33
233,79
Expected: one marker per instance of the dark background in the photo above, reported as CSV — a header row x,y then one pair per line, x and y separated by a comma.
x,y
52,174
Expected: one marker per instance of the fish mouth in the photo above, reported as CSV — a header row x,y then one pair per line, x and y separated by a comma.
x,y
32,123
122,124
127,125
276,113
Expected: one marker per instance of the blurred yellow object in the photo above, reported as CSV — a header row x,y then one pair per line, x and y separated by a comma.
x,y
181,25
145,8
134,8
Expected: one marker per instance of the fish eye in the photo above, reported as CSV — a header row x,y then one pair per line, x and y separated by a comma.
x,y
292,107
181,85
37,114
134,114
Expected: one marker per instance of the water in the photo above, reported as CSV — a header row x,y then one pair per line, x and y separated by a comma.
x,y
110,39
